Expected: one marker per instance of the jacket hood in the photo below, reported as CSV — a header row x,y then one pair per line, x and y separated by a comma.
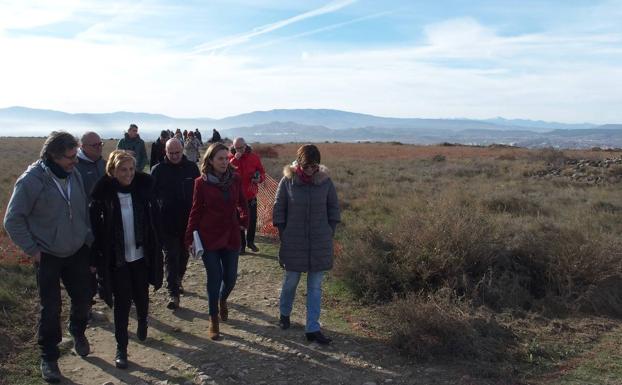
x,y
321,176
105,186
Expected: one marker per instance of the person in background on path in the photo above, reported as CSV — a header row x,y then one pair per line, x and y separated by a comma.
x,y
135,145
92,167
47,217
174,184
191,148
126,247
197,134
185,135
215,136
306,213
251,171
179,137
158,150
218,213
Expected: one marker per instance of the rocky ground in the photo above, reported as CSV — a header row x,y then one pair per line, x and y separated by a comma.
x,y
253,349
584,171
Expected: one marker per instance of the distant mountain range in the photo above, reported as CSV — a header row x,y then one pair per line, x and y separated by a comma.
x,y
319,125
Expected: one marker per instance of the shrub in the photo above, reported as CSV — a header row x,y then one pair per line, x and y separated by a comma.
x,y
550,155
452,244
445,244
265,151
441,326
438,158
514,205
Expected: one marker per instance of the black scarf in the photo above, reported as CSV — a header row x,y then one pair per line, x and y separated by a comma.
x,y
56,169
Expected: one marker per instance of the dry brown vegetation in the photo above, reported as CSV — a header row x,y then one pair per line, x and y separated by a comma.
x,y
462,252
462,248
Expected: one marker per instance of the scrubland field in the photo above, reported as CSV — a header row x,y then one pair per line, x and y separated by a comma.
x,y
504,260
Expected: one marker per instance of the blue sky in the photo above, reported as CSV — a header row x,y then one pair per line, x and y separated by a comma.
x,y
548,60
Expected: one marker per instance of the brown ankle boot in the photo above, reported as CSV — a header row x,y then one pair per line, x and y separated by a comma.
x,y
214,333
224,311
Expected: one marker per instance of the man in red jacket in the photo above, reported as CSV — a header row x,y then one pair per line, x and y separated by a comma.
x,y
251,171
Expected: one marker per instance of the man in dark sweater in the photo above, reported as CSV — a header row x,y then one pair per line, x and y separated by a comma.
x,y
174,186
158,150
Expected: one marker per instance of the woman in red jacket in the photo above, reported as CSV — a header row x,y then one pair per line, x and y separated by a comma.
x,y
219,211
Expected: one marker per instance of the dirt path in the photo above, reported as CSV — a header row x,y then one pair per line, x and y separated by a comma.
x,y
253,349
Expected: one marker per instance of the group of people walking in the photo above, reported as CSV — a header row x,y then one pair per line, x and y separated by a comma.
x,y
107,227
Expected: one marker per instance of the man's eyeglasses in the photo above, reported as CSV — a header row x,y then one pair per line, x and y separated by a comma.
x,y
240,148
100,144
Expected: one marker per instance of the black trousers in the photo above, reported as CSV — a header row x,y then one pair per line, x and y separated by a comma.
x,y
130,282
75,274
176,260
249,237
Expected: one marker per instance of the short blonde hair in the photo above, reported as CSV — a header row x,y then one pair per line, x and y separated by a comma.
x,y
116,158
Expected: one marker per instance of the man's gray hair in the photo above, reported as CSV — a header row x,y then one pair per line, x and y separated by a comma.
x,y
56,144
86,135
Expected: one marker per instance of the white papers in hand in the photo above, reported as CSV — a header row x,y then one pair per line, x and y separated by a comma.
x,y
197,246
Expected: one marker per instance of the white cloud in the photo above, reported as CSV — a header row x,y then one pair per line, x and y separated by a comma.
x,y
245,37
462,69
34,13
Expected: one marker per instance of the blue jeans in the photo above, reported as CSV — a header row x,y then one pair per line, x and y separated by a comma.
x,y
222,272
314,297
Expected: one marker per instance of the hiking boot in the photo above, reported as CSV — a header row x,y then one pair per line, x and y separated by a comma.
x,y
120,359
173,302
213,332
141,330
253,247
50,371
318,337
223,310
81,345
284,322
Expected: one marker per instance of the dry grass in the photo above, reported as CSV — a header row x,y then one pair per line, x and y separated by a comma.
x,y
465,251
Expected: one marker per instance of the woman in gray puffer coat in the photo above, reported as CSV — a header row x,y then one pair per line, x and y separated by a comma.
x,y
306,212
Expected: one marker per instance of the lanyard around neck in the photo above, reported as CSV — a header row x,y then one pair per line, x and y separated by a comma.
x,y
66,198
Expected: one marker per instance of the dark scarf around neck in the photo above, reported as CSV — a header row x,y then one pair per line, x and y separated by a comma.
x,y
56,169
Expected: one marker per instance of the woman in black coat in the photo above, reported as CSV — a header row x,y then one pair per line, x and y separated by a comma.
x,y
126,249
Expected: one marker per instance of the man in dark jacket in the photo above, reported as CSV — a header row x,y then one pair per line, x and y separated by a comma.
x,y
174,185
215,136
158,150
91,166
47,217
135,145
197,134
